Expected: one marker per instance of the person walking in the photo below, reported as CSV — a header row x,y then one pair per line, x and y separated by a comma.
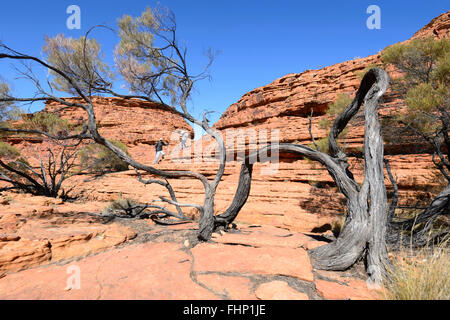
x,y
184,137
159,149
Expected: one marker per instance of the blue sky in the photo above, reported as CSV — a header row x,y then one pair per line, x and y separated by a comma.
x,y
259,41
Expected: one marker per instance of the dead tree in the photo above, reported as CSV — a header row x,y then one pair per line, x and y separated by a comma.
x,y
364,232
46,180
83,76
439,142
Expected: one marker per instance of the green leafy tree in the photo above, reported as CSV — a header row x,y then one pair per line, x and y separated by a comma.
x,y
81,62
143,64
424,83
8,109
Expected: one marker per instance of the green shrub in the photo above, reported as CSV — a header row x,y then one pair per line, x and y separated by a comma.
x,y
322,145
8,151
124,206
47,122
98,159
120,204
360,74
11,156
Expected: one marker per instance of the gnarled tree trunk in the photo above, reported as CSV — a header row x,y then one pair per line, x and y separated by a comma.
x,y
364,232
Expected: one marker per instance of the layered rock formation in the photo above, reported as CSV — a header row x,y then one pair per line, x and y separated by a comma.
x,y
285,105
266,258
439,27
38,230
138,124
297,195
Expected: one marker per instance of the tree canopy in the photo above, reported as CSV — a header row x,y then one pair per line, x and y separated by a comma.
x,y
81,60
425,82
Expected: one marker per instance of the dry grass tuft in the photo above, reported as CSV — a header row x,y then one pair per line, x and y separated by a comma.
x,y
421,274
120,205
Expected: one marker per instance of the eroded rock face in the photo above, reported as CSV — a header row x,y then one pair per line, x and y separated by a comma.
x,y
39,230
285,105
439,27
287,102
298,196
278,290
132,122
138,124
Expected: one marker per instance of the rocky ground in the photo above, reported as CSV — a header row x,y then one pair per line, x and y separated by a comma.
x,y
265,258
287,212
136,259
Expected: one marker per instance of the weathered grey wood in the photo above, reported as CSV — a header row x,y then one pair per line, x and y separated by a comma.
x,y
439,206
240,197
364,232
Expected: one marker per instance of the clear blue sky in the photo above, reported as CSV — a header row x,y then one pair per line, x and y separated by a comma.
x,y
259,41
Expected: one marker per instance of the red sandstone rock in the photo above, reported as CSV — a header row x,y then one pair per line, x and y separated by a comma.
x,y
261,239
147,271
235,288
69,246
138,124
286,103
8,237
132,121
268,260
298,195
356,290
279,290
41,230
9,222
19,255
288,199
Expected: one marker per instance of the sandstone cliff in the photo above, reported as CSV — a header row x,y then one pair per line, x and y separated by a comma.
x,y
286,103
299,195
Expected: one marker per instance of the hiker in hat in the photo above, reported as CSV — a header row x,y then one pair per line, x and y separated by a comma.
x,y
159,149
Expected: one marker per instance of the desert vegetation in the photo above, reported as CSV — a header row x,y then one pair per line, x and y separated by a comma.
x,y
155,67
419,274
95,158
55,164
425,83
